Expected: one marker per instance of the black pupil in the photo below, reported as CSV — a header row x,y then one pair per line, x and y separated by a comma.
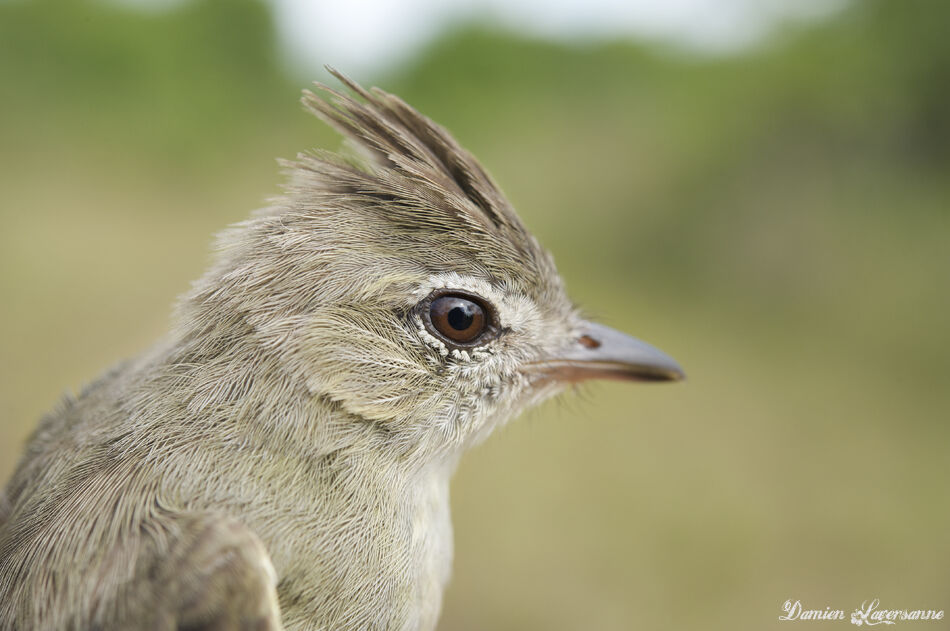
x,y
460,316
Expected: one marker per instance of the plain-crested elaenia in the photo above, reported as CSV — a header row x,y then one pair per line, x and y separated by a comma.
x,y
282,458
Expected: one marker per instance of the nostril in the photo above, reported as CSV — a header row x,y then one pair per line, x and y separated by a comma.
x,y
588,342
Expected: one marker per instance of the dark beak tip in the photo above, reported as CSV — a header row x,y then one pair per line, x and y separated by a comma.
x,y
671,375
678,375
663,375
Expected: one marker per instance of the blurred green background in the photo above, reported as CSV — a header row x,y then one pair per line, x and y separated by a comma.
x,y
777,219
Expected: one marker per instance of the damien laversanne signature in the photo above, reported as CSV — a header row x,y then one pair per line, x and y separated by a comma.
x,y
869,613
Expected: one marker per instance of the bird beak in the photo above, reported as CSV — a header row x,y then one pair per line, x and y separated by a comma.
x,y
599,352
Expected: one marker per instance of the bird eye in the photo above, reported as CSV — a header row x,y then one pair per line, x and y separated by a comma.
x,y
459,319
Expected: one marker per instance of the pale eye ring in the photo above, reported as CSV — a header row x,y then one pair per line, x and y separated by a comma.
x,y
458,318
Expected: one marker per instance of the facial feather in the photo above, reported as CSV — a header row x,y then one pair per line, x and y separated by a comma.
x,y
415,214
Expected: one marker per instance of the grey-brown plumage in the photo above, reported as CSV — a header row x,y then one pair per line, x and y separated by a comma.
x,y
282,458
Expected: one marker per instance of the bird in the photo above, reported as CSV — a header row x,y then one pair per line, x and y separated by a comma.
x,y
281,458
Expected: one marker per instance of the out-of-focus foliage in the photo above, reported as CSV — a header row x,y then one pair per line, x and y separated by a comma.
x,y
172,84
779,221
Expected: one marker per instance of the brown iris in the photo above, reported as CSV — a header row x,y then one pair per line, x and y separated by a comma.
x,y
458,318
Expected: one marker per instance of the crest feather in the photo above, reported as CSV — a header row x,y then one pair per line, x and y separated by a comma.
x,y
401,140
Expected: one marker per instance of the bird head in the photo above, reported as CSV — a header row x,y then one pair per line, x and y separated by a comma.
x,y
398,283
